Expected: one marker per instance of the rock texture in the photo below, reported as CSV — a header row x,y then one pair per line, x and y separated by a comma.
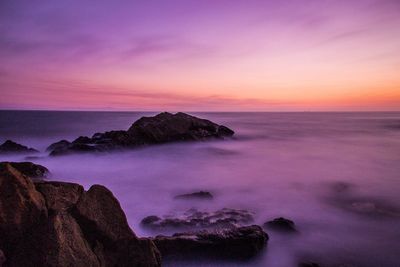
x,y
281,224
195,195
242,242
29,169
162,128
60,224
223,218
12,147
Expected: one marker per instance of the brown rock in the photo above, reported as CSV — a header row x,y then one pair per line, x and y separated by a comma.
x,y
21,206
99,209
30,169
59,195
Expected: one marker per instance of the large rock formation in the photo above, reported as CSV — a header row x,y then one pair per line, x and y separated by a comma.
x,y
162,128
12,147
60,224
242,242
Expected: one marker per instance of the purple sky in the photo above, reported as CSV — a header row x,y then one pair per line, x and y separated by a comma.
x,y
200,55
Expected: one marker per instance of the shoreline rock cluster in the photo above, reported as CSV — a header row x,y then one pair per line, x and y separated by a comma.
x,y
51,223
159,129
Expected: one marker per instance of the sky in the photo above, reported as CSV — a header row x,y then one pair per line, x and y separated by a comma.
x,y
203,55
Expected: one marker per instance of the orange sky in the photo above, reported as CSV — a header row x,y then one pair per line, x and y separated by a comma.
x,y
263,56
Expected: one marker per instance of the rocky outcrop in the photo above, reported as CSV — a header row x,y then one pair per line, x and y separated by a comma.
x,y
12,147
195,195
242,242
281,224
162,128
223,218
60,224
29,169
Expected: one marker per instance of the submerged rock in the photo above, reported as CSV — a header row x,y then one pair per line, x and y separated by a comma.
x,y
242,242
2,258
281,224
29,169
162,128
345,196
223,218
60,224
195,195
12,147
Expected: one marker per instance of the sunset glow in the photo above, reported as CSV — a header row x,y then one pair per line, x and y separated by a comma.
x,y
200,55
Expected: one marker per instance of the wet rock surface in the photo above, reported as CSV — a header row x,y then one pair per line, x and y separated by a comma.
x,y
162,128
196,195
241,242
223,218
60,224
10,146
281,225
29,169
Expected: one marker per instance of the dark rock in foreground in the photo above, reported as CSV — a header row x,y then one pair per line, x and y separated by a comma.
x,y
12,147
281,224
242,243
196,195
29,169
60,224
162,128
223,218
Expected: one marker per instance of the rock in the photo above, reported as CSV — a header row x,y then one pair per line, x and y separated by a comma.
x,y
21,207
94,209
12,147
29,169
242,242
281,224
345,196
167,127
103,221
162,128
57,242
60,145
2,258
59,224
223,218
195,195
60,196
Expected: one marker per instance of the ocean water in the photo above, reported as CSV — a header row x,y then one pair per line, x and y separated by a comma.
x,y
336,175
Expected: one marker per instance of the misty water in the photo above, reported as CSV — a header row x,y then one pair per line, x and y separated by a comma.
x,y
336,175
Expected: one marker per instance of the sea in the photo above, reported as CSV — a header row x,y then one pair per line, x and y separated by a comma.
x,y
335,174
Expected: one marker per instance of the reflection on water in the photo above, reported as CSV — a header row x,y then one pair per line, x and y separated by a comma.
x,y
336,175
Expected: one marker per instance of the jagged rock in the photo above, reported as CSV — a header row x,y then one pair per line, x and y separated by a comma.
x,y
195,195
12,147
59,224
162,128
94,209
59,195
223,218
57,242
242,242
21,206
281,224
29,169
2,258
